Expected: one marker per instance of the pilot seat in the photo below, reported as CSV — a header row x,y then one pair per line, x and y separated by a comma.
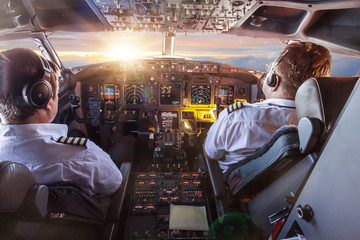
x,y
266,184
62,211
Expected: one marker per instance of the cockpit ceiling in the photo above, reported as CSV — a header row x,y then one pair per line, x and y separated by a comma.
x,y
255,18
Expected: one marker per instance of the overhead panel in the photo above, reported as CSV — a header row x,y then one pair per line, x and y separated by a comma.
x,y
174,15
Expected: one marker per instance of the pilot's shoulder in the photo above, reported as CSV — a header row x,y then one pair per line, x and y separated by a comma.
x,y
233,107
76,141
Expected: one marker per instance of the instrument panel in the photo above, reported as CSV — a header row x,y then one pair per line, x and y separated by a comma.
x,y
129,92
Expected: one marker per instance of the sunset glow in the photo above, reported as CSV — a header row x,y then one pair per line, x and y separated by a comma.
x,y
78,49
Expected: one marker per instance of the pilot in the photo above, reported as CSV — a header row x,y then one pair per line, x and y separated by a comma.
x,y
243,128
28,104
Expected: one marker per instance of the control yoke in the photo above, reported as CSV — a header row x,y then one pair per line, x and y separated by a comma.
x,y
74,104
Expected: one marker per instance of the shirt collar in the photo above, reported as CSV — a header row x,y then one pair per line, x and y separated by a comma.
x,y
32,130
280,102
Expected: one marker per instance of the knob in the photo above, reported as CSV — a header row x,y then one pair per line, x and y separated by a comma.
x,y
305,212
175,233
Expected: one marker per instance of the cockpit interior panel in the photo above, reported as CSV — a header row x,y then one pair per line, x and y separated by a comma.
x,y
194,92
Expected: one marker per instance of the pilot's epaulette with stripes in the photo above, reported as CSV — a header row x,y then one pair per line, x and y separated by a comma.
x,y
234,107
79,141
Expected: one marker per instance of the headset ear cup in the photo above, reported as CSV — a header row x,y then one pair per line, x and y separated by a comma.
x,y
38,94
271,81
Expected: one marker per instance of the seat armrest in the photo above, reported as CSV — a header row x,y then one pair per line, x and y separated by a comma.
x,y
117,198
310,130
36,201
116,205
216,179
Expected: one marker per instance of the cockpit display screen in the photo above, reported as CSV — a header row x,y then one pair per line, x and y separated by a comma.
x,y
134,94
107,92
170,94
224,95
201,94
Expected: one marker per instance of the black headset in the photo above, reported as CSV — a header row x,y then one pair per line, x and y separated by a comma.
x,y
271,77
39,92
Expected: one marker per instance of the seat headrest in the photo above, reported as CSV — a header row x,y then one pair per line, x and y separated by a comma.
x,y
324,98
15,182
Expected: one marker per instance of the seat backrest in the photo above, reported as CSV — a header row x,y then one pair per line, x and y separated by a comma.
x,y
19,192
15,181
251,175
319,102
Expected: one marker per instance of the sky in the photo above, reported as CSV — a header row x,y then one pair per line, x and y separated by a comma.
x,y
77,49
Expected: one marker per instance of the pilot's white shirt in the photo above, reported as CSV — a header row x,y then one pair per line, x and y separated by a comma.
x,y
35,146
240,133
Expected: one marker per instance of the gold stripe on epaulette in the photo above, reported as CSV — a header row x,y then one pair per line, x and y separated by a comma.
x,y
69,140
83,142
62,139
239,105
76,141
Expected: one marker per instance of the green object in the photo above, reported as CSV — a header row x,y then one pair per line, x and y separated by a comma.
x,y
236,226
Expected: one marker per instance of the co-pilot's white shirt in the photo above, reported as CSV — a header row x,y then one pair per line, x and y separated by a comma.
x,y
34,146
236,135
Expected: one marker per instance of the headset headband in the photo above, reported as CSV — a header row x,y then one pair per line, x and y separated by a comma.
x,y
46,66
270,77
279,60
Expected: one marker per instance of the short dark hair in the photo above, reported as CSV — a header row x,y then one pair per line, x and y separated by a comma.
x,y
18,67
303,60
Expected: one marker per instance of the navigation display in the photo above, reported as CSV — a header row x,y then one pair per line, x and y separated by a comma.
x,y
224,95
201,94
170,94
134,94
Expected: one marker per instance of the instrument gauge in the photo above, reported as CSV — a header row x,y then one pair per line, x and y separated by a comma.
x,y
224,95
152,100
201,94
170,94
134,94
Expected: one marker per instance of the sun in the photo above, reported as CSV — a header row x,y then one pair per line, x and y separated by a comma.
x,y
122,52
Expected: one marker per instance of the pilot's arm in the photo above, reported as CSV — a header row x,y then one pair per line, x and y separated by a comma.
x,y
214,147
106,175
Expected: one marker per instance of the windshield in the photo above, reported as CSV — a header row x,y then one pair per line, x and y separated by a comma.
x,y
78,49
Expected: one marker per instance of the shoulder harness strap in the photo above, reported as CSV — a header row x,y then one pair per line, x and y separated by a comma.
x,y
235,106
72,140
